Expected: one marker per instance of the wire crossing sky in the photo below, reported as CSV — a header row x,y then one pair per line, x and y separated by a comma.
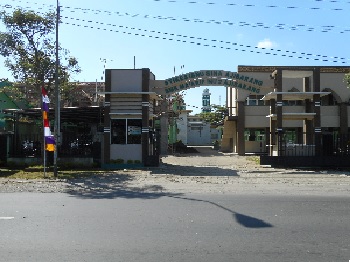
x,y
186,35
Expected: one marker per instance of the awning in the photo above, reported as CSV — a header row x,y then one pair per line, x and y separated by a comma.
x,y
294,95
294,116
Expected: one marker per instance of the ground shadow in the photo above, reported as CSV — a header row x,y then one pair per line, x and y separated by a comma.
x,y
7,172
250,222
109,186
180,170
113,185
244,220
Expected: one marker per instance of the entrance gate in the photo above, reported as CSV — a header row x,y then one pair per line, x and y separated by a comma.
x,y
130,101
194,79
206,78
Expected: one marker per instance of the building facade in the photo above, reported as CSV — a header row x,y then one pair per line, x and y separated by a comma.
x,y
129,117
298,111
206,106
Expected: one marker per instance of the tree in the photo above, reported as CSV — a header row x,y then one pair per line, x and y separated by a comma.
x,y
347,79
16,95
30,49
216,117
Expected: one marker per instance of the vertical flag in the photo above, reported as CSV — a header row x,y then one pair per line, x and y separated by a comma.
x,y
49,139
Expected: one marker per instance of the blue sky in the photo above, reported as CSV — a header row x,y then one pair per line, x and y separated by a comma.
x,y
314,30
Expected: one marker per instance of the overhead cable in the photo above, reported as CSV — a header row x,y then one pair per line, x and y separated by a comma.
x,y
280,26
253,5
214,43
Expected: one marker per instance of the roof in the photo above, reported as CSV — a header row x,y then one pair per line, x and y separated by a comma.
x,y
294,95
294,116
92,114
270,69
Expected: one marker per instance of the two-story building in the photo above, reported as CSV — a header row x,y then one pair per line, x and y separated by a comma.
x,y
298,111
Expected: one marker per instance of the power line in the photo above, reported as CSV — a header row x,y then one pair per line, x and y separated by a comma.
x,y
304,27
280,26
232,4
253,5
199,41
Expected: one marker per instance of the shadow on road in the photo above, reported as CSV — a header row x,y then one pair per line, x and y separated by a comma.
x,y
113,186
117,186
244,220
180,170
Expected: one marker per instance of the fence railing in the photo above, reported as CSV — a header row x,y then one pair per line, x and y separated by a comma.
x,y
331,145
71,146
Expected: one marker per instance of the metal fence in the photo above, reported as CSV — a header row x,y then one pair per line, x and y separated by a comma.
x,y
331,145
71,146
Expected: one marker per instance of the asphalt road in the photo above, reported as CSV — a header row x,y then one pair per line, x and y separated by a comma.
x,y
158,226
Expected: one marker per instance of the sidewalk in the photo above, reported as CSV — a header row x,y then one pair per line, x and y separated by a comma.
x,y
213,171
207,171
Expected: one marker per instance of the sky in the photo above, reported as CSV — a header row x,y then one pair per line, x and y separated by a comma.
x,y
192,35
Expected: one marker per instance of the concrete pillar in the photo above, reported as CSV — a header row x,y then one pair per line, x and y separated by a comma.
x,y
272,126
267,139
145,114
106,145
317,110
343,116
240,128
164,125
278,86
229,141
308,126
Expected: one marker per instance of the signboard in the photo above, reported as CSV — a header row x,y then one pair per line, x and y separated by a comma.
x,y
208,78
134,130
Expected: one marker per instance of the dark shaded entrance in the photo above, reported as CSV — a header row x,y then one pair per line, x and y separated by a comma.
x,y
3,148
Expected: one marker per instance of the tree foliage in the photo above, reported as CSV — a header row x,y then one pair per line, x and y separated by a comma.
x,y
16,95
216,117
30,48
347,80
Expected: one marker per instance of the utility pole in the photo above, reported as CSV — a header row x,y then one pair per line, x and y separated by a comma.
x,y
57,95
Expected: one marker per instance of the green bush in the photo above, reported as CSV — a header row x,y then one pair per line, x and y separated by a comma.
x,y
12,164
130,161
67,165
117,161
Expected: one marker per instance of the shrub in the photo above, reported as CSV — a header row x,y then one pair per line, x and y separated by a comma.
x,y
117,161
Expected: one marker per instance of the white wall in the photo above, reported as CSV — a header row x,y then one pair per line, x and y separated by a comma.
x,y
181,124
335,81
126,152
199,137
330,116
255,116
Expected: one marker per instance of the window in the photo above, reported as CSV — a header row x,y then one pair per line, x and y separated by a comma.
x,y
118,131
291,102
254,100
328,100
126,131
134,131
254,135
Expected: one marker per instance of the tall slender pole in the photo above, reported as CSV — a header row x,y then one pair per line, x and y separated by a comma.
x,y
57,95
44,142
96,93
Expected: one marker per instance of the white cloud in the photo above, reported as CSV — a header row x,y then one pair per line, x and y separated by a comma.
x,y
266,43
